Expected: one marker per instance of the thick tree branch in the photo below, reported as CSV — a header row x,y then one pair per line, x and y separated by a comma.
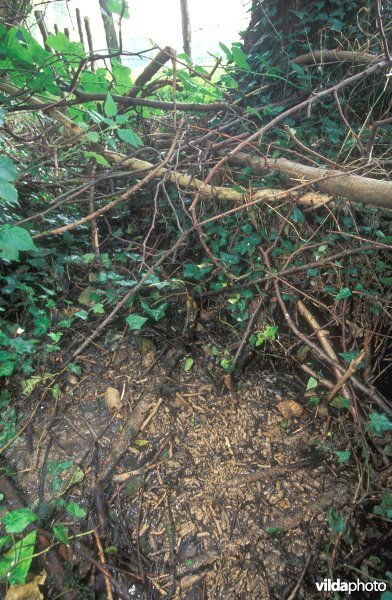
x,y
329,181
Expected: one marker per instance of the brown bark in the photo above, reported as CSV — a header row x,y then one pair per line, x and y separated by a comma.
x,y
108,24
325,56
186,27
330,181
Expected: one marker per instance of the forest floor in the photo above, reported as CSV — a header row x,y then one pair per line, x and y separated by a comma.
x,y
192,490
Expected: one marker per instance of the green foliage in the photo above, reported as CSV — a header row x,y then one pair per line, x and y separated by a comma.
x,y
75,510
16,521
15,564
343,455
135,321
379,424
385,507
13,240
8,172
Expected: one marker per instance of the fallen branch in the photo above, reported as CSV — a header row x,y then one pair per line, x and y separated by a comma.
x,y
324,56
329,181
352,368
368,391
152,68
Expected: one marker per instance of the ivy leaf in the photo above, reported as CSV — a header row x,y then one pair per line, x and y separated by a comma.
x,y
268,334
6,540
343,456
344,293
82,314
101,160
297,216
98,309
13,239
188,364
16,563
336,521
75,510
155,313
226,50
192,271
135,322
239,58
58,42
110,107
93,136
379,424
348,356
8,171
312,383
340,402
130,137
385,280
16,521
61,533
7,368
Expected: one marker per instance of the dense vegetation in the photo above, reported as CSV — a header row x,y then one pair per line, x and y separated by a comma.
x,y
252,198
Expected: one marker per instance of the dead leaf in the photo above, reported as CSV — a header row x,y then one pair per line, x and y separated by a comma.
x,y
148,359
289,408
88,297
28,591
113,399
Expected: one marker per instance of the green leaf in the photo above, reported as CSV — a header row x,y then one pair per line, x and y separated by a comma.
x,y
341,403
226,50
297,216
82,314
56,337
116,7
344,293
135,321
75,510
314,401
239,58
379,424
8,170
192,271
16,563
58,42
230,259
16,521
98,309
348,356
130,137
61,533
269,334
14,239
312,383
101,160
93,136
188,364
6,540
343,456
226,363
336,522
385,280
155,313
7,368
110,107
